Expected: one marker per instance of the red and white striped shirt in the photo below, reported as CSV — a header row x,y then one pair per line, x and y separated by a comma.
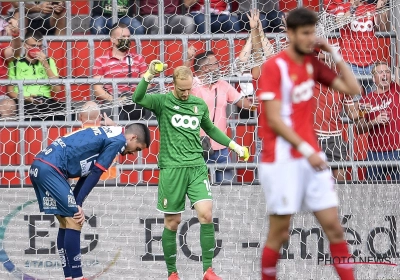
x,y
109,66
293,84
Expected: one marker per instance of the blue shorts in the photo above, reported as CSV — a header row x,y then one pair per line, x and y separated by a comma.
x,y
53,192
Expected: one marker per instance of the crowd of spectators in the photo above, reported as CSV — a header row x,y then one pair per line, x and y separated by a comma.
x,y
24,58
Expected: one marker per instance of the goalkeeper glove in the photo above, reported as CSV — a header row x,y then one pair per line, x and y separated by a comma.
x,y
243,152
155,67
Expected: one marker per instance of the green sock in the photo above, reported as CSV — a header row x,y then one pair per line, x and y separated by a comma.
x,y
169,248
207,243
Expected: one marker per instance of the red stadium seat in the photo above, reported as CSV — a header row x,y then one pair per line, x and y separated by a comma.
x,y
173,55
245,137
9,146
33,143
80,8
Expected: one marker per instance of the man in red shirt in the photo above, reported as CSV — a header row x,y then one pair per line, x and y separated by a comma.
x,y
327,120
382,121
357,41
293,171
120,62
8,52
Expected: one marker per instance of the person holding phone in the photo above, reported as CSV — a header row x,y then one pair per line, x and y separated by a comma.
x,y
35,65
47,17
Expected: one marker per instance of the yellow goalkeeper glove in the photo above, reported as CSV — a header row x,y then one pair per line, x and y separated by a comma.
x,y
243,152
155,67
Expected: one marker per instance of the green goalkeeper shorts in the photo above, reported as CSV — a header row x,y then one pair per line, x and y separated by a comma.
x,y
175,183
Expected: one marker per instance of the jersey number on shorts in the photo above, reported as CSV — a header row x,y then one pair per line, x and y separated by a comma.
x,y
208,187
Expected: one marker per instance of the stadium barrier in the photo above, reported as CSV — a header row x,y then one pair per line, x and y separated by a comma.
x,y
121,239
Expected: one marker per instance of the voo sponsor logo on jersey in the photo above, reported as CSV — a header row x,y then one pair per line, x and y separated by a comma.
x,y
303,92
359,26
185,121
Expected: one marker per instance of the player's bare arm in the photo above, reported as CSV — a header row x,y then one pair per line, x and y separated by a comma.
x,y
346,82
276,123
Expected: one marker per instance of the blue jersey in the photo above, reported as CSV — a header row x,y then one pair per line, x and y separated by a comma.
x,y
75,154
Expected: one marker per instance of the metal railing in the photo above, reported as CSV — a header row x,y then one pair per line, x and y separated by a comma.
x,y
140,166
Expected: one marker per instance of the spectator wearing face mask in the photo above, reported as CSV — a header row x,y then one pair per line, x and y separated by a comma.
x,y
36,65
217,93
120,62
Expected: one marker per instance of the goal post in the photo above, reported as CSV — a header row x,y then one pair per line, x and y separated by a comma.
x,y
122,233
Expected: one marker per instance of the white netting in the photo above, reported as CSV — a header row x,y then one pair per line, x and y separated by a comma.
x,y
122,236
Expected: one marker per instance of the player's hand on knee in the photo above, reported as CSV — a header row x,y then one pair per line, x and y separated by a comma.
x,y
317,162
79,216
155,67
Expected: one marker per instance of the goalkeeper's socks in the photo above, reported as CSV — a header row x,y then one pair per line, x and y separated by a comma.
x,y
207,243
169,248
72,245
340,251
269,261
62,253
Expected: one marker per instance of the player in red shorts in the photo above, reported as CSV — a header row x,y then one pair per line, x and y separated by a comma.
x,y
293,171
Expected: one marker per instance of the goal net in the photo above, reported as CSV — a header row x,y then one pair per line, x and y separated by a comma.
x,y
68,68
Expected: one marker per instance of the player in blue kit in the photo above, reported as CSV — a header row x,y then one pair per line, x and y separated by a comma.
x,y
86,154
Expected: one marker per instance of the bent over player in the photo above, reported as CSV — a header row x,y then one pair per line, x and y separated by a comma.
x,y
293,171
182,169
86,154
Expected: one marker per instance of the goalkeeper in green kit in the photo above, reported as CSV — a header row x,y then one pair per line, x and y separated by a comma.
x,y
182,168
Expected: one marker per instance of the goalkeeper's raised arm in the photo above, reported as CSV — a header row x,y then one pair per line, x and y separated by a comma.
x,y
140,97
180,116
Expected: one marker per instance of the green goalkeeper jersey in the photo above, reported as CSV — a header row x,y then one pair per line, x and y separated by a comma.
x,y
179,124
